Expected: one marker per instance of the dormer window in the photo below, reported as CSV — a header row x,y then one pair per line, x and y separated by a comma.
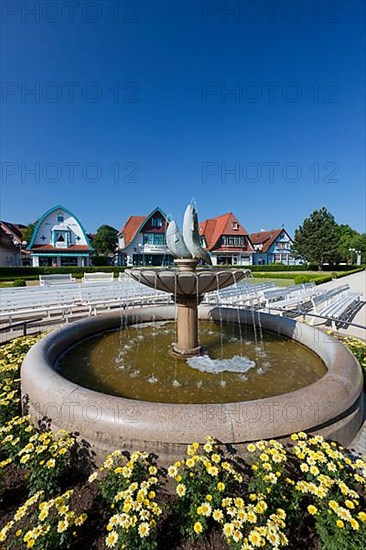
x,y
157,222
60,218
235,226
60,239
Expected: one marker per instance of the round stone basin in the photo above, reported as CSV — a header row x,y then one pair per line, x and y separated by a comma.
x,y
236,365
331,405
185,283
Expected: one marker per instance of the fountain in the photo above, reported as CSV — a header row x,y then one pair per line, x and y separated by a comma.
x,y
186,285
120,381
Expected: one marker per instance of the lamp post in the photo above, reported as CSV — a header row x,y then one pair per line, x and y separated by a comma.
x,y
20,244
358,257
352,250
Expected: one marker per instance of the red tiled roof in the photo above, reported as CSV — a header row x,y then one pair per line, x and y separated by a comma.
x,y
131,227
14,229
214,228
266,238
50,248
6,241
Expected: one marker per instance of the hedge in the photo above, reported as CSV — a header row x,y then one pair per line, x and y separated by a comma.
x,y
9,273
344,274
336,267
263,271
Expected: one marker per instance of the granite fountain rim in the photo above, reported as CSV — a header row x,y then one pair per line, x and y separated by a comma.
x,y
325,401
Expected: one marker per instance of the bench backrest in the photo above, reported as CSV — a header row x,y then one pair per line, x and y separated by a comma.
x,y
330,295
58,278
98,276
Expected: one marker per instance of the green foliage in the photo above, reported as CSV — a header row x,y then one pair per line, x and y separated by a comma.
x,y
276,267
27,233
130,485
202,481
301,279
105,241
317,239
19,282
100,260
350,238
42,524
29,273
47,458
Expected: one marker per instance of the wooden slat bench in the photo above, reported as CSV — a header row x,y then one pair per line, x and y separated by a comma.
x,y
57,279
98,277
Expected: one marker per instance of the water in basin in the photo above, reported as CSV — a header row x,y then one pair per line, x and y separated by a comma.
x,y
134,363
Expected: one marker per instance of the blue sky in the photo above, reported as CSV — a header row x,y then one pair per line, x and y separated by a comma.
x,y
150,121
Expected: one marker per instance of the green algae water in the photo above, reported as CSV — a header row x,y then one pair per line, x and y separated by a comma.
x,y
136,363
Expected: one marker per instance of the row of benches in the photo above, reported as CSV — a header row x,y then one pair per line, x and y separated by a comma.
x,y
18,303
67,278
335,303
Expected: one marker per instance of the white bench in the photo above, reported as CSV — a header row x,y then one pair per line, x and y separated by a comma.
x,y
335,303
57,279
98,277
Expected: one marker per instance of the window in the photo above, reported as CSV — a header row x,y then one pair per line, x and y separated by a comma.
x,y
60,239
60,218
233,241
157,222
235,226
154,238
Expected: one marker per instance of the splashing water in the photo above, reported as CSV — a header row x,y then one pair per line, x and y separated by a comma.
x,y
205,363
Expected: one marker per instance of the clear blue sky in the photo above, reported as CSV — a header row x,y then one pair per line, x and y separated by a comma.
x,y
178,132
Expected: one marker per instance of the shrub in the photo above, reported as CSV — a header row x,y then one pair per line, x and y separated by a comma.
x,y
101,260
14,435
11,357
47,459
328,482
19,282
301,279
42,524
130,486
202,481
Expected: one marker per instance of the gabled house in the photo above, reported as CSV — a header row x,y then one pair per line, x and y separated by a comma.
x,y
142,240
59,239
15,233
10,252
227,240
273,246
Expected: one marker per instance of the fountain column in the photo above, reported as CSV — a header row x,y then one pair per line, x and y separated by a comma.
x,y
187,322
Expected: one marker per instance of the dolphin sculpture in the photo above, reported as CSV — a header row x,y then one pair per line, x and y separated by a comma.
x,y
191,235
175,242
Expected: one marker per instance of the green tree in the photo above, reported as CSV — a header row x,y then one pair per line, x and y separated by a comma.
x,y
27,233
317,239
350,238
105,241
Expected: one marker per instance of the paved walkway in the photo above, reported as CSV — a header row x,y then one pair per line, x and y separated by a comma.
x,y
357,283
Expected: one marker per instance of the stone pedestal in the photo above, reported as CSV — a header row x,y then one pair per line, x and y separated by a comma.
x,y
187,322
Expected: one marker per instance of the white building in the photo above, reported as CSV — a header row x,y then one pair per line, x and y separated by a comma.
x,y
142,241
59,239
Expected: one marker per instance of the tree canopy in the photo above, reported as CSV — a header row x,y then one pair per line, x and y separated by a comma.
x,y
28,232
105,241
317,239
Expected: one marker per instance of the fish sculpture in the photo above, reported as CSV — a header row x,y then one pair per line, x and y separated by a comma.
x,y
191,235
175,242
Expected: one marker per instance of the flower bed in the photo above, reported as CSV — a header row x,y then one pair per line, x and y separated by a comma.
x,y
308,493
